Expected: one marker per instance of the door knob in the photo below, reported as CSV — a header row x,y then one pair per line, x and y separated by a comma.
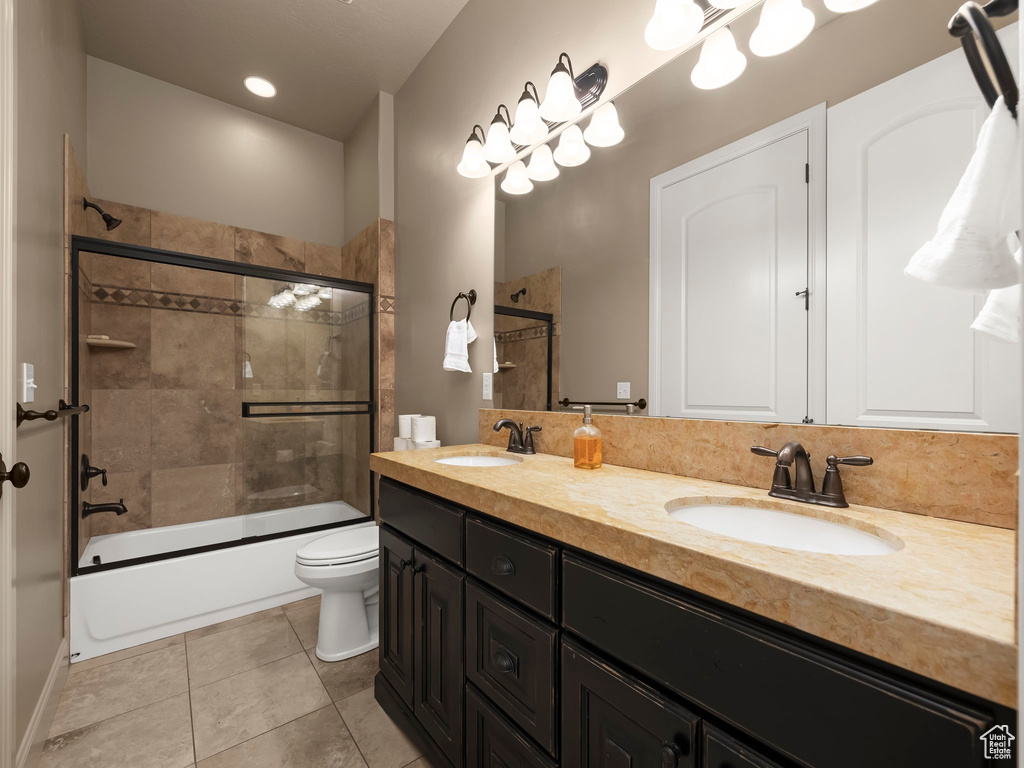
x,y
18,475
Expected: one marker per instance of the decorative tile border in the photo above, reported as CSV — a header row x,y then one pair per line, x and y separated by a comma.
x,y
386,304
525,334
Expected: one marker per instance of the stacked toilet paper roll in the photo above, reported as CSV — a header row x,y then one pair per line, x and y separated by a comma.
x,y
424,429
405,425
428,444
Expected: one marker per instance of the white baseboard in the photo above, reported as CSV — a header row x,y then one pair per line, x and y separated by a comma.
x,y
42,718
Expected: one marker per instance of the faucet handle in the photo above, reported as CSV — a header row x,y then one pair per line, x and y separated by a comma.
x,y
528,439
760,450
852,461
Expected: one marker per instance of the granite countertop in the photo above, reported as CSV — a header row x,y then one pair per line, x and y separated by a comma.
x,y
942,606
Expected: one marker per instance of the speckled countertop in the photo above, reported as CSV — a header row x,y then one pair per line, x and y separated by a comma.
x,y
942,606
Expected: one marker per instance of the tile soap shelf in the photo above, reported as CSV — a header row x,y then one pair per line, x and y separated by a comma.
x,y
110,343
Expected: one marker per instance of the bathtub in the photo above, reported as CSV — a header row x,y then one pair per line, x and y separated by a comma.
x,y
123,607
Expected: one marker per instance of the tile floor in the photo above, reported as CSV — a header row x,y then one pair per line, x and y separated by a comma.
x,y
248,692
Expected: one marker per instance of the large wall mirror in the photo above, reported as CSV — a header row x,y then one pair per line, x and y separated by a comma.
x,y
740,254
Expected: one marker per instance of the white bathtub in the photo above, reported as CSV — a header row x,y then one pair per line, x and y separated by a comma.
x,y
119,608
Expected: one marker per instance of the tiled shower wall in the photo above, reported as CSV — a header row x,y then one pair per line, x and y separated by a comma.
x,y
523,343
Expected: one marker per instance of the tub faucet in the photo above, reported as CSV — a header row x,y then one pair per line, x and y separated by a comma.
x,y
116,507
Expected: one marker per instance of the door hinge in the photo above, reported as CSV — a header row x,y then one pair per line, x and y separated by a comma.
x,y
807,173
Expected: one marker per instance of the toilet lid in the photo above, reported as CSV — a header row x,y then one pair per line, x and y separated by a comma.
x,y
347,546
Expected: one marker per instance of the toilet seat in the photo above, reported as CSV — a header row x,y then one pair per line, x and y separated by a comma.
x,y
348,546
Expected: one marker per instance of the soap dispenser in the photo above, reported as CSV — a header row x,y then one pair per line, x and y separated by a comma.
x,y
587,443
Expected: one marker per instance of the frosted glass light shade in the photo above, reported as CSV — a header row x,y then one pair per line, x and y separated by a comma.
x,y
529,128
572,150
846,6
783,26
720,61
604,129
542,165
674,24
726,5
516,181
473,165
560,102
498,147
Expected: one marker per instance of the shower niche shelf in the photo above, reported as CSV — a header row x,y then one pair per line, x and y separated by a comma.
x,y
506,366
110,343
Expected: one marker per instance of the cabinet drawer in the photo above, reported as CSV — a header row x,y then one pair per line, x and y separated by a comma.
x,y
610,719
492,742
511,657
720,751
423,519
520,567
836,714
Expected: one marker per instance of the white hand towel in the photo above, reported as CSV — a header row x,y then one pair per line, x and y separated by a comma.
x,y
495,354
456,347
470,332
969,250
1000,317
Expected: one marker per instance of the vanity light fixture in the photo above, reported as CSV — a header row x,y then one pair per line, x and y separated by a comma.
x,y
720,61
498,147
561,103
528,128
517,181
674,24
726,5
283,299
604,129
542,165
572,150
474,165
846,6
783,26
260,86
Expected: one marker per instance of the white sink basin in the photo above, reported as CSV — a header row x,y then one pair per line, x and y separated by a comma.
x,y
480,461
782,529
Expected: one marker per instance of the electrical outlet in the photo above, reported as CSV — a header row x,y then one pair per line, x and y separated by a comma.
x,y
28,383
488,386
622,390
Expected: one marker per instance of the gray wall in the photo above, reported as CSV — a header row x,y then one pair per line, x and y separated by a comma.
x,y
445,223
51,101
155,145
594,221
362,172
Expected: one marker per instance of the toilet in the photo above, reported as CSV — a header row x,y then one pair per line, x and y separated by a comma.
x,y
344,566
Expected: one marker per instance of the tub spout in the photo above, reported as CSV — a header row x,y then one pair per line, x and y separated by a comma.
x,y
116,507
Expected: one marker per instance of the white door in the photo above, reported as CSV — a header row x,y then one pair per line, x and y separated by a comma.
x,y
729,255
901,352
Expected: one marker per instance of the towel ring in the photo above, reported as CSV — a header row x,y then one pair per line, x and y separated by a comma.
x,y
470,301
971,25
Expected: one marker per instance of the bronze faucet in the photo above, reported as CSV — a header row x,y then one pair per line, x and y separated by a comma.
x,y
519,440
831,494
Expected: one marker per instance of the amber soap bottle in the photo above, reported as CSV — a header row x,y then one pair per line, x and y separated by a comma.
x,y
587,443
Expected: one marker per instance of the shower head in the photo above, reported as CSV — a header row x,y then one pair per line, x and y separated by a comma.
x,y
109,220
515,296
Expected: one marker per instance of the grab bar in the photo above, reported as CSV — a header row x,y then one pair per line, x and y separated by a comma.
x,y
640,404
63,409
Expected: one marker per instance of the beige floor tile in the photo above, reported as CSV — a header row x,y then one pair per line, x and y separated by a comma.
x,y
235,650
298,605
155,736
421,763
306,622
213,629
122,686
239,708
378,738
346,678
127,653
318,740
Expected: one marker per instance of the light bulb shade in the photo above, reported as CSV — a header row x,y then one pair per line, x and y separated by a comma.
x,y
498,147
727,5
542,165
473,165
517,182
846,6
720,61
783,26
674,24
572,150
529,128
560,102
604,129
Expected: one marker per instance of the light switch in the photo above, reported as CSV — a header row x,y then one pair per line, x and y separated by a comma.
x,y
622,390
488,393
28,383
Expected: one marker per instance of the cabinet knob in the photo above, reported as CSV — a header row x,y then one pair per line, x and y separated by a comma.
x,y
671,754
18,475
502,566
504,661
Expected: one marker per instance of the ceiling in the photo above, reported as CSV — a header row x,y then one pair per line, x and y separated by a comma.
x,y
327,58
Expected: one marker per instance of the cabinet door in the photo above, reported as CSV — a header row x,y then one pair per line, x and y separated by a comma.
x,y
720,751
396,613
610,720
492,742
439,686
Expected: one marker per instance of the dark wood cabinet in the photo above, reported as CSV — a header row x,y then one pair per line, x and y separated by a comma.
x,y
493,742
396,613
610,720
721,751
439,679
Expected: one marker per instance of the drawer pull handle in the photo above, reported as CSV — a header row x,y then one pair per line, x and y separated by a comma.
x,y
504,662
671,754
502,566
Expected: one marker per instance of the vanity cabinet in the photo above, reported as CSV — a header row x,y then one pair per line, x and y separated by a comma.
x,y
501,649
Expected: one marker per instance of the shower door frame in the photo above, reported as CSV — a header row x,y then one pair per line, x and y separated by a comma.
x,y
530,314
81,244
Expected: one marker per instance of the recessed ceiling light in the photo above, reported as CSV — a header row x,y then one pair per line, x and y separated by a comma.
x,y
260,87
